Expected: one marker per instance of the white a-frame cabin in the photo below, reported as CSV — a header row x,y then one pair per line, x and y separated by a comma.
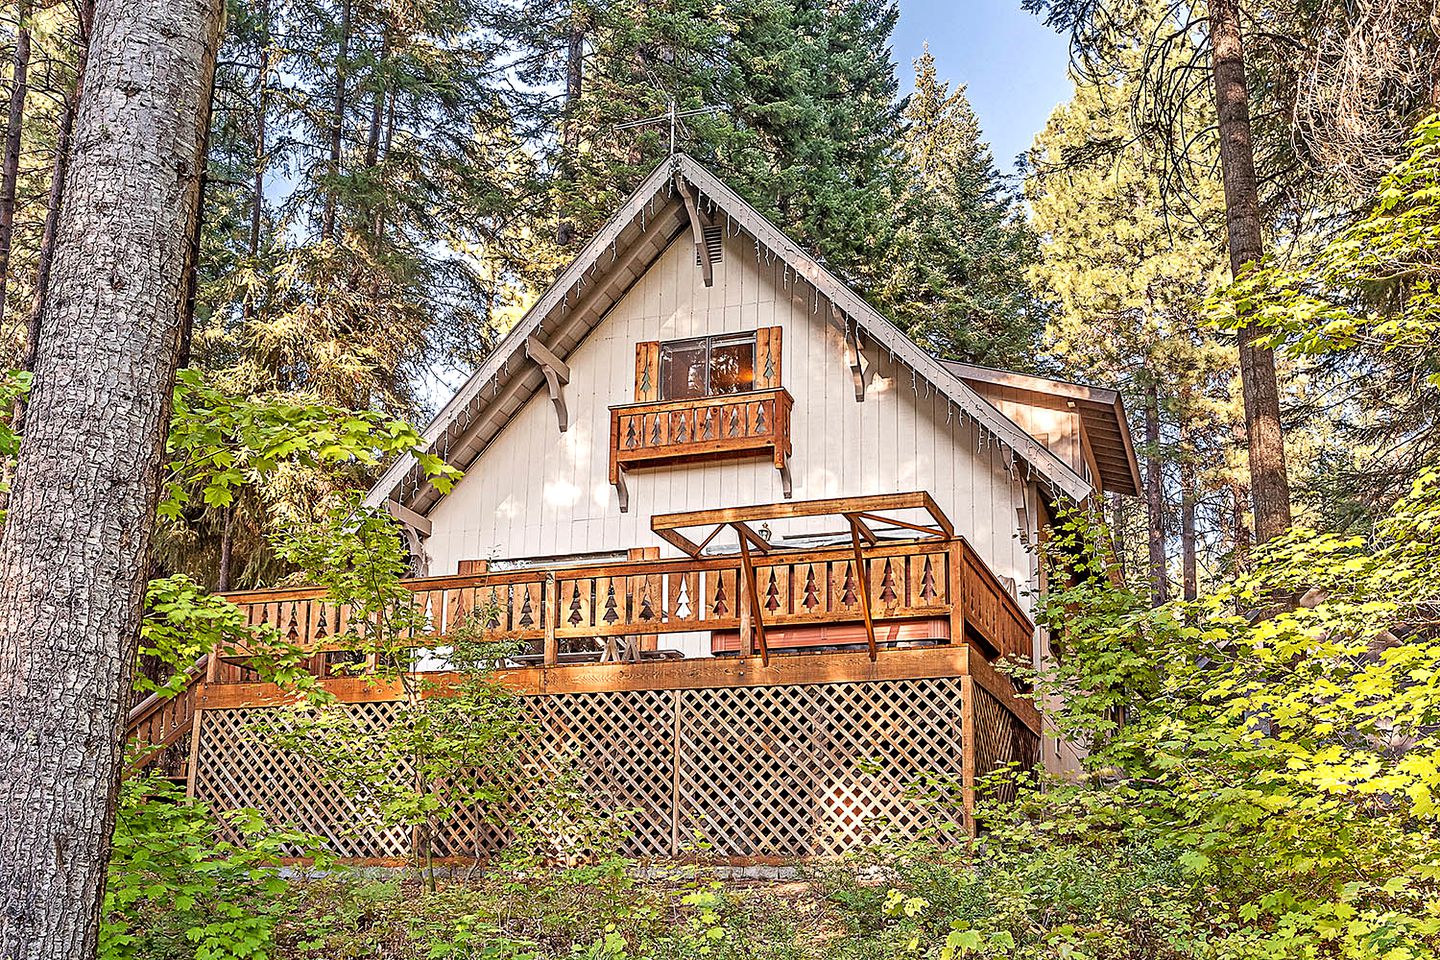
x,y
765,554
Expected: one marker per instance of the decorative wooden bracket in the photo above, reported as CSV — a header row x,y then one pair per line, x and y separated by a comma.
x,y
621,490
698,222
557,375
862,368
415,528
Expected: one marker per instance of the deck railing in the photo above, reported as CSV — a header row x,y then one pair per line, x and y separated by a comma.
x,y
622,608
645,434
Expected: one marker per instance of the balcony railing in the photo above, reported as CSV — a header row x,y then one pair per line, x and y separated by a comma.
x,y
938,590
705,428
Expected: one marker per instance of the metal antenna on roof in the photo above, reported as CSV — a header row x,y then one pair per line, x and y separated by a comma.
x,y
672,116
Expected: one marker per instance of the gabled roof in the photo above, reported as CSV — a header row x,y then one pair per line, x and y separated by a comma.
x,y
620,252
1102,414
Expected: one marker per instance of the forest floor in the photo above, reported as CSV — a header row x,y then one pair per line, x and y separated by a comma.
x,y
610,911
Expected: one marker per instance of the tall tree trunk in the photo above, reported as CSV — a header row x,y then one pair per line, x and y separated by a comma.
x,y
1269,485
337,123
227,548
197,225
73,550
569,123
1240,541
1155,498
262,119
14,124
1119,517
377,104
1188,563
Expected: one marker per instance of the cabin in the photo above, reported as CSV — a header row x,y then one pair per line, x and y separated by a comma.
x,y
765,554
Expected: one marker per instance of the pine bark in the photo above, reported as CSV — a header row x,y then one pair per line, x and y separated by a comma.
x,y
1189,563
1269,485
337,123
262,121
73,550
1155,498
14,124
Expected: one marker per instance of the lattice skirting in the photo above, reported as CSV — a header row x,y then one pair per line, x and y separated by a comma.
x,y
782,771
1000,741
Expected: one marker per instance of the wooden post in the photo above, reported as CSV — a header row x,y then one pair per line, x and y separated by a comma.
x,y
967,746
676,697
957,591
752,598
864,588
551,615
193,759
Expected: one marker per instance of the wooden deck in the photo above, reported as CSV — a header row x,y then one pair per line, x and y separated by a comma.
x,y
841,677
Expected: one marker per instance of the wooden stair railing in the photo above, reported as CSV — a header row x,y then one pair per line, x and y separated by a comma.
x,y
160,723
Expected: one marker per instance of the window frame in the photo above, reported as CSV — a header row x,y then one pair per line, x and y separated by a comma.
x,y
750,337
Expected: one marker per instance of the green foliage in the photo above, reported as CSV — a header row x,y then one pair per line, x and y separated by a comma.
x,y
1113,901
219,442
453,744
183,622
186,883
598,913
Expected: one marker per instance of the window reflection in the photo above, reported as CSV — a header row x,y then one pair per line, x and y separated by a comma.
x,y
707,366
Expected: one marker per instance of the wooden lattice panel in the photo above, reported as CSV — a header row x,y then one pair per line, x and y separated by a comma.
x,y
239,766
1001,739
781,770
820,769
622,744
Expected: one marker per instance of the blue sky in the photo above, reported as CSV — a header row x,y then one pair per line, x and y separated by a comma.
x,y
1013,65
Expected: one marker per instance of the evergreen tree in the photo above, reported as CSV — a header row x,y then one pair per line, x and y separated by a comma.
x,y
397,241
1128,278
955,272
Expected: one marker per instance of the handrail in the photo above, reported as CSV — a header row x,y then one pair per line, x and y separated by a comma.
x,y
161,720
908,580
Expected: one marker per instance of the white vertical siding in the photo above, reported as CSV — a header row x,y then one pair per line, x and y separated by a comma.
x,y
537,492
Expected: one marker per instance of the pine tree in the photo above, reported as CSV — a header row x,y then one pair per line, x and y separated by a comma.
x,y
956,269
1127,280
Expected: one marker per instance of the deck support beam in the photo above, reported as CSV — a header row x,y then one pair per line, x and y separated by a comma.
x,y
752,592
557,375
864,573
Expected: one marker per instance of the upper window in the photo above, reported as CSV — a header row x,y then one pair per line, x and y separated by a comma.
x,y
707,366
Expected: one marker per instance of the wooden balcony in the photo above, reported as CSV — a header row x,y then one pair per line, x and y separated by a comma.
x,y
707,428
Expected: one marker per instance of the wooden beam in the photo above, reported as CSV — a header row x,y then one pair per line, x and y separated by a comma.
x,y
871,506
857,522
408,517
802,668
756,541
747,567
697,227
557,375
864,573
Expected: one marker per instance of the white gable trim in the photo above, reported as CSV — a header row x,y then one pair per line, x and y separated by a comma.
x,y
511,348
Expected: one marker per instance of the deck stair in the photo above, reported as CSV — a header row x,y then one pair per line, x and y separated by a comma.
x,y
161,725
